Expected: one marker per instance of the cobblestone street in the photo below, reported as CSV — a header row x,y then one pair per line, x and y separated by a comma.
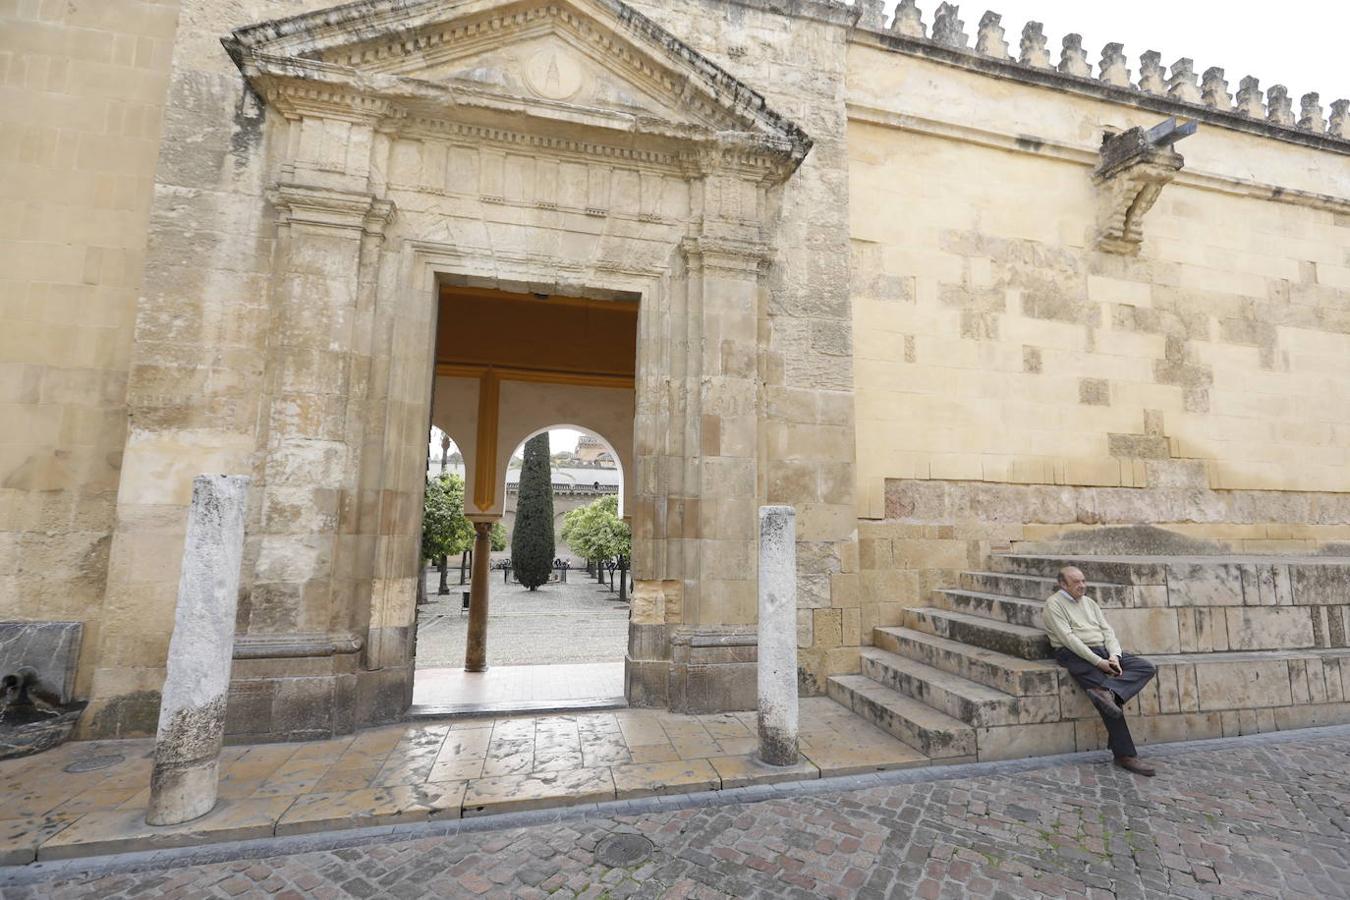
x,y
1264,816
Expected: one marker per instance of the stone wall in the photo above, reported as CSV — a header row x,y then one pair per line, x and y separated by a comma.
x,y
195,391
918,311
933,529
81,98
1017,382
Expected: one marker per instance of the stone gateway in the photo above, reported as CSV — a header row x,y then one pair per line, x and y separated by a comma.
x,y
966,301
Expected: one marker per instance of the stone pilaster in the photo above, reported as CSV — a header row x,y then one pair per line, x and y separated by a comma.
x,y
695,601
307,546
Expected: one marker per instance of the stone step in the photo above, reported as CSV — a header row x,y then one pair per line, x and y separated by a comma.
x,y
1014,640
1019,677
933,733
1027,613
969,701
1039,587
1121,570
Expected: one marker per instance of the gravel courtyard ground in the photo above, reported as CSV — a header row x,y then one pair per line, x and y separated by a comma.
x,y
1263,816
577,622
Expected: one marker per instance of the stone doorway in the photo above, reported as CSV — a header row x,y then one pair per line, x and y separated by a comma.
x,y
406,156
508,366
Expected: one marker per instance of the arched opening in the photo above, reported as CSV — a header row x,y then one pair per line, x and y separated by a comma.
x,y
510,367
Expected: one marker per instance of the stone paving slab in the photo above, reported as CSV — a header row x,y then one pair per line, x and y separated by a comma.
x,y
122,829
372,806
685,776
1259,816
416,772
743,771
537,790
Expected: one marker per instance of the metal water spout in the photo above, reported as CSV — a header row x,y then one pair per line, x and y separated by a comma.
x,y
24,699
32,716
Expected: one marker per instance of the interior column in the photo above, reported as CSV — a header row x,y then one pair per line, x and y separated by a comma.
x,y
475,653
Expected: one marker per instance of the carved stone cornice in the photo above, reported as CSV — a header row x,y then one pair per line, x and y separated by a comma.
x,y
327,207
307,87
402,106
754,157
379,217
422,126
736,256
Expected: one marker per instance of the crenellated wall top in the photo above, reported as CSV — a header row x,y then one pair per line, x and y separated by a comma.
x,y
1177,89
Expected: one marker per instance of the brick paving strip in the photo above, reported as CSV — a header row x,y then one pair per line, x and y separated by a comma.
x,y
1264,815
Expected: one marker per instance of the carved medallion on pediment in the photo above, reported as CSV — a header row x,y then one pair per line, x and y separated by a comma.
x,y
553,75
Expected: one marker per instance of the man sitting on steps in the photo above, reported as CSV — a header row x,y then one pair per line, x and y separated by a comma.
x,y
1086,645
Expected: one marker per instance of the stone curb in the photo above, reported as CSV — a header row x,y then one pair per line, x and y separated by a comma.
x,y
336,840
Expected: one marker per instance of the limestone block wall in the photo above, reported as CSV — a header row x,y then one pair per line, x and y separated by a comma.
x,y
1191,699
1216,604
196,388
82,89
1018,383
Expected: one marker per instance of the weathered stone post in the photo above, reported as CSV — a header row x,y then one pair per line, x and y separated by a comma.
x,y
777,669
185,778
475,651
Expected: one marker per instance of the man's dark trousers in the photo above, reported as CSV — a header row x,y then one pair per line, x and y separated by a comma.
x,y
1135,673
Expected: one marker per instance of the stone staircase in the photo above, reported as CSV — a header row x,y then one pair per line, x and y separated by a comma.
x,y
1242,644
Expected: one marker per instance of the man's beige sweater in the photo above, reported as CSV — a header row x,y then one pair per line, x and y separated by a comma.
x,y
1079,625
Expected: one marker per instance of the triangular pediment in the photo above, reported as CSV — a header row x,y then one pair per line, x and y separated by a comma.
x,y
558,67
597,58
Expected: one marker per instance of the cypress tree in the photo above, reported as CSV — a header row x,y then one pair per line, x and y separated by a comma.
x,y
532,538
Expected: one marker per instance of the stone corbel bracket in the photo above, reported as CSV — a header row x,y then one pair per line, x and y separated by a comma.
x,y
1136,165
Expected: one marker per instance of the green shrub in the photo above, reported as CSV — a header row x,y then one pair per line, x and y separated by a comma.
x,y
595,531
444,528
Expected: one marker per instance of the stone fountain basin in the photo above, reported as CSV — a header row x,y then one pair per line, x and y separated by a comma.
x,y
23,733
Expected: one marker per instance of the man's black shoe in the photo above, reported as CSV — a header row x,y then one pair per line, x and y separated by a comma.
x,y
1105,701
1135,765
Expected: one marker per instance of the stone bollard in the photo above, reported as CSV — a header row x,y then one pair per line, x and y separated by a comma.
x,y
777,669
185,778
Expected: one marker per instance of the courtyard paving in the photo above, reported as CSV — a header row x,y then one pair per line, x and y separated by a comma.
x,y
1260,816
577,622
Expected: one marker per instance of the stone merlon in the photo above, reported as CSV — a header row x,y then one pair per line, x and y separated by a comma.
x,y
1176,93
